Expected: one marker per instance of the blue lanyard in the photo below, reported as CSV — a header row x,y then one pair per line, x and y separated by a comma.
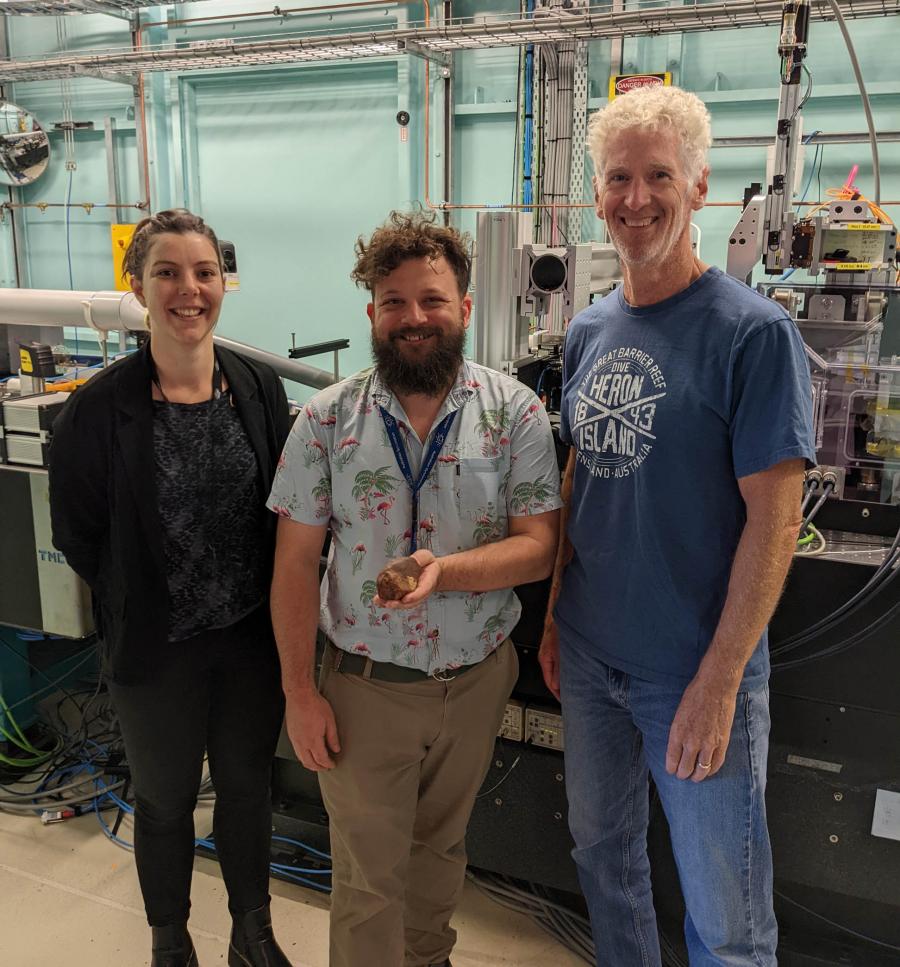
x,y
437,442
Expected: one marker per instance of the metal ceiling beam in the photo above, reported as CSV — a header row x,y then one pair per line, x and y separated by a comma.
x,y
441,58
56,8
753,141
579,24
118,78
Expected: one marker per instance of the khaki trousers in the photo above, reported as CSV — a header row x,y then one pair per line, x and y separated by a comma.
x,y
413,756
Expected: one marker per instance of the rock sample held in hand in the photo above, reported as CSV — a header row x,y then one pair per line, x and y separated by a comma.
x,y
398,579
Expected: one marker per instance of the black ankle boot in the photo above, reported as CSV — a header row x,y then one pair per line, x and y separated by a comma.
x,y
252,943
173,947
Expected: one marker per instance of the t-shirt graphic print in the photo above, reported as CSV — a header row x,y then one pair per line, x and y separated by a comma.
x,y
614,412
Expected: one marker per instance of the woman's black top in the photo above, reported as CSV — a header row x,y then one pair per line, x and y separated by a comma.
x,y
113,525
212,509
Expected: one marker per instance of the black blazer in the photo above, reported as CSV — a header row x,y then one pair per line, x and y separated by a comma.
x,y
103,500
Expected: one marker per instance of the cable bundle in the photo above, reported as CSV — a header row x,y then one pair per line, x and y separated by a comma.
x,y
882,578
567,926
85,771
849,192
571,929
80,768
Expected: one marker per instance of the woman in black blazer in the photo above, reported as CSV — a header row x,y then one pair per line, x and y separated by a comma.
x,y
159,471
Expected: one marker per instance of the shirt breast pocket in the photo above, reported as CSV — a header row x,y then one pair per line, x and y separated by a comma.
x,y
481,508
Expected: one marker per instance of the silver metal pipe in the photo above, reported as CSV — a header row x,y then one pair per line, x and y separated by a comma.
x,y
864,94
112,168
290,369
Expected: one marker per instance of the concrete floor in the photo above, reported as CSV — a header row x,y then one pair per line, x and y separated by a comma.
x,y
69,896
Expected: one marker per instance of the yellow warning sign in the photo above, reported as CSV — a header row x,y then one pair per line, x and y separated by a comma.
x,y
25,361
121,238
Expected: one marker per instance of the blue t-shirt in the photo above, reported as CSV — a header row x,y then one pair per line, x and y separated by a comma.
x,y
667,406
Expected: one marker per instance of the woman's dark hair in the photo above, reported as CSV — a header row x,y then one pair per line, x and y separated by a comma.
x,y
174,221
411,236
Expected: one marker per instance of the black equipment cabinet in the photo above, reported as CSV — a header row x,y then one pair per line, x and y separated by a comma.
x,y
835,741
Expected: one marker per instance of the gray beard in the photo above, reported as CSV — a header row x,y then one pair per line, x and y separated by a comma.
x,y
431,376
660,251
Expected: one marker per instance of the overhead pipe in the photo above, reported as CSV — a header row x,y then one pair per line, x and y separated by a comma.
x,y
448,120
88,206
140,119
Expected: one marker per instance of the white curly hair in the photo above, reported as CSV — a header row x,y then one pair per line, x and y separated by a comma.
x,y
656,108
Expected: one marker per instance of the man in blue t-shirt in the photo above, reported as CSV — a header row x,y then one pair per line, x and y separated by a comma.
x,y
688,409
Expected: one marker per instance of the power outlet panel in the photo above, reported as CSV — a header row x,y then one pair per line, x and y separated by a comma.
x,y
513,724
544,728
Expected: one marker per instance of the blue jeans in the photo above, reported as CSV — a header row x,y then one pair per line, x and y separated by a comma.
x,y
616,730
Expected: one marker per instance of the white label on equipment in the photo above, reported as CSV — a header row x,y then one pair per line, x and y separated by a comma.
x,y
849,247
886,819
802,760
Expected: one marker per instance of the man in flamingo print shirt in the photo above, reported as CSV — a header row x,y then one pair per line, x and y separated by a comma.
x,y
431,455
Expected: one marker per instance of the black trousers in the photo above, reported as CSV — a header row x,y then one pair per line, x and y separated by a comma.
x,y
220,693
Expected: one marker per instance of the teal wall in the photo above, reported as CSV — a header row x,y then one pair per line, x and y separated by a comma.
x,y
292,164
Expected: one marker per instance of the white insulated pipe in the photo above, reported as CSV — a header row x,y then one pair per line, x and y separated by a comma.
x,y
102,311
108,312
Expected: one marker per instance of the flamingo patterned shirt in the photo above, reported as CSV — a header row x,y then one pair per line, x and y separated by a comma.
x,y
338,468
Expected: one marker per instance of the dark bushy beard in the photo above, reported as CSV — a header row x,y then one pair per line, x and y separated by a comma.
x,y
430,375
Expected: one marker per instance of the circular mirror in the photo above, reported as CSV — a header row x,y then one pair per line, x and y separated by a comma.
x,y
24,146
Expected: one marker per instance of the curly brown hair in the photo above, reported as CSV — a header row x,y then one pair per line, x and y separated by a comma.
x,y
407,236
174,221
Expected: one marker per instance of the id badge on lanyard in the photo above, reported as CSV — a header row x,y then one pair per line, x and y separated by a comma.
x,y
428,461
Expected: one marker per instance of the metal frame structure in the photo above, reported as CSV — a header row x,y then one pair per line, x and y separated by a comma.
x,y
433,42
56,8
579,127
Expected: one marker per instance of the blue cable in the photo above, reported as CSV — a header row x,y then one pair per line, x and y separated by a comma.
x,y
105,794
529,118
806,188
124,806
111,835
304,846
284,867
286,872
812,170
